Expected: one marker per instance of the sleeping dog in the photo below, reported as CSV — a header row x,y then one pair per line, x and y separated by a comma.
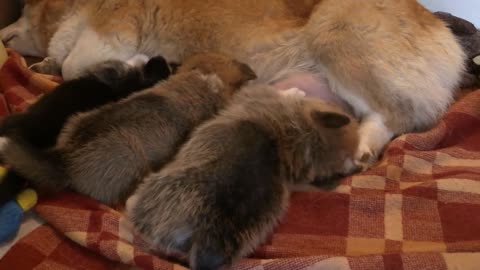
x,y
392,62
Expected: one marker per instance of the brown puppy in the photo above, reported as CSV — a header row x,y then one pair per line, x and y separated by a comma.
x,y
229,184
103,153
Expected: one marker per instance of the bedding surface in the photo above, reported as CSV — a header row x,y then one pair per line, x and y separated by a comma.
x,y
419,208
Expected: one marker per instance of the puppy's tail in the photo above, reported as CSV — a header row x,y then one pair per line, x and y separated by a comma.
x,y
43,169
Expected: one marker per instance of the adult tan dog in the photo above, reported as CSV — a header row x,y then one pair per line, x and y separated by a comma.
x,y
392,61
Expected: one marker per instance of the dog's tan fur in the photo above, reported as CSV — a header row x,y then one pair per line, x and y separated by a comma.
x,y
394,62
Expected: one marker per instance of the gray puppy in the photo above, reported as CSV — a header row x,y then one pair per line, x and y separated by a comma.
x,y
229,184
104,152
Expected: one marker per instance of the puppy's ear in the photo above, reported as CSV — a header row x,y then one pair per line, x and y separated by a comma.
x,y
157,68
247,74
330,119
174,67
244,74
229,70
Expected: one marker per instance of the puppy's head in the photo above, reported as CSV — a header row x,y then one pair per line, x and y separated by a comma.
x,y
332,140
231,72
156,69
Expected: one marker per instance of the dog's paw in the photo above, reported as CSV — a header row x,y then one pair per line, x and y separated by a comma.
x,y
293,92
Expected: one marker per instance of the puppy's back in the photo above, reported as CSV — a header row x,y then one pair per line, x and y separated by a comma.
x,y
220,173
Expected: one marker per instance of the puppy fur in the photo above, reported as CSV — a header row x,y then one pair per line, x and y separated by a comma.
x,y
229,184
41,124
104,152
107,82
393,62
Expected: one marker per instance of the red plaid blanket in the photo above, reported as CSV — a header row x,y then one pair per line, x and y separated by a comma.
x,y
418,209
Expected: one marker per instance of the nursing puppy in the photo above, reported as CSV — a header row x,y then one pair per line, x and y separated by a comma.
x,y
229,184
393,62
41,123
107,82
104,152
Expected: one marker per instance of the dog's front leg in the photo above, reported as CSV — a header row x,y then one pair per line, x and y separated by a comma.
x,y
92,48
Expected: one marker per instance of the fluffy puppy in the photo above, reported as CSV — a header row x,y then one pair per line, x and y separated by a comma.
x,y
107,82
229,184
104,152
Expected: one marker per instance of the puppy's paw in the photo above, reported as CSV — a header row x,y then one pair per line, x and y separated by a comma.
x,y
294,92
3,143
365,157
131,203
138,60
47,66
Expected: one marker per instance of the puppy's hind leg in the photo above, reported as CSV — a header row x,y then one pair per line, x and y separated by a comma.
x,y
139,60
47,66
293,92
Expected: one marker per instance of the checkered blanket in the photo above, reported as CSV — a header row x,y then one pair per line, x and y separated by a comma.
x,y
418,209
